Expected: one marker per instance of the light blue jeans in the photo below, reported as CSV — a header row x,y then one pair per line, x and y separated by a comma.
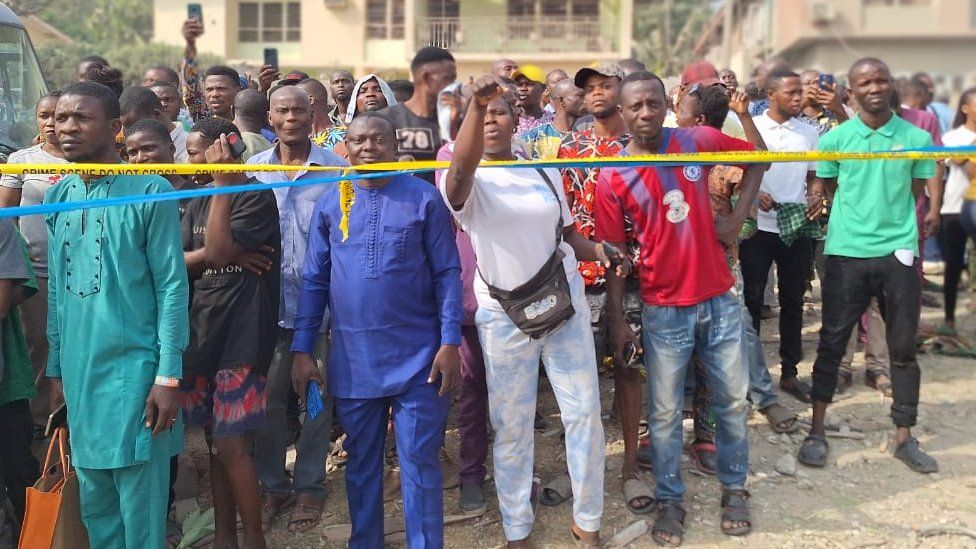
x,y
512,372
713,330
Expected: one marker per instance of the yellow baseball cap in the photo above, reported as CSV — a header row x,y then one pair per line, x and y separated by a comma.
x,y
531,72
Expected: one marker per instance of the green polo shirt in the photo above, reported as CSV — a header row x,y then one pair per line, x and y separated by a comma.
x,y
873,213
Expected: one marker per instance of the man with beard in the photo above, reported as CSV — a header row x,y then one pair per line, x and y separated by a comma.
x,y
122,407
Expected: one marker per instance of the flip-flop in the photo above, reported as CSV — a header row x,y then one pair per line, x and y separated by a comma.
x,y
705,456
272,507
813,452
557,491
635,490
799,390
781,420
308,511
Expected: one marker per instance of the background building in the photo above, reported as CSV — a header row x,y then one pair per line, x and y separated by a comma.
x,y
382,35
936,36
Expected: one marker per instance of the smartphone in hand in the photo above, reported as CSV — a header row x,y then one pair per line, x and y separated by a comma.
x,y
237,145
194,11
271,57
826,82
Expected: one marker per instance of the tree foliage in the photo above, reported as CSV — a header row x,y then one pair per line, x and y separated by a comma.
x,y
119,30
665,32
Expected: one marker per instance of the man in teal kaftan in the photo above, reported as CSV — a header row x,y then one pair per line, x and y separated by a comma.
x,y
117,325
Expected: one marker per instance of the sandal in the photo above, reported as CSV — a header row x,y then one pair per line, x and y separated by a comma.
x,y
271,508
813,451
669,527
735,513
780,419
638,496
306,514
645,458
705,456
557,491
844,382
913,456
473,499
879,382
338,456
577,534
798,390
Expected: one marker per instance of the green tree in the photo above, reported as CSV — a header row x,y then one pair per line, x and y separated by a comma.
x,y
669,29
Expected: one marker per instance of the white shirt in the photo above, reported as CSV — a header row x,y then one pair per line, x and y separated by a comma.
x,y
785,181
511,218
958,182
178,135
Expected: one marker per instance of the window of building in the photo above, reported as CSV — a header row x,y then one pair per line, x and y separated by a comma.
x,y
897,2
385,19
553,8
269,21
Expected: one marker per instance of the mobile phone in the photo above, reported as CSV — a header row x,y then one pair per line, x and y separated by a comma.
x,y
194,11
237,146
271,57
58,418
826,82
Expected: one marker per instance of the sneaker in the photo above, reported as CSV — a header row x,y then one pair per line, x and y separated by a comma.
x,y
912,455
473,499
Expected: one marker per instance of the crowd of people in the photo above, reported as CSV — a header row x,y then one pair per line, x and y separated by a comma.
x,y
393,298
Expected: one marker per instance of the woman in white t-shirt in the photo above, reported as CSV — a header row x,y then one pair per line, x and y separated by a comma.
x,y
511,216
952,236
28,190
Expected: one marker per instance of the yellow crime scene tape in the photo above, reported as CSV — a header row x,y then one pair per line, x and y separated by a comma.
x,y
737,157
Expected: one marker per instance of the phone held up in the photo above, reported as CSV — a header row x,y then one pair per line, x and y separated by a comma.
x,y
237,145
271,57
826,82
194,11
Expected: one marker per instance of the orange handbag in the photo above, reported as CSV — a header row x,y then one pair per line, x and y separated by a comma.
x,y
52,518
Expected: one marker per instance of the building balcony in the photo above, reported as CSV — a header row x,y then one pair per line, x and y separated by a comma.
x,y
501,35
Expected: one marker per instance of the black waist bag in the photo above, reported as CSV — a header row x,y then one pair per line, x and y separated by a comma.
x,y
544,303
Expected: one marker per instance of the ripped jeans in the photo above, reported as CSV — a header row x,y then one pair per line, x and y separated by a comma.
x,y
712,330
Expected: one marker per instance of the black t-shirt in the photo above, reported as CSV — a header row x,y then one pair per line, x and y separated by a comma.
x,y
234,312
416,136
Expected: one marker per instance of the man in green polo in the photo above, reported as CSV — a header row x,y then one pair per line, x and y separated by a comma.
x,y
871,250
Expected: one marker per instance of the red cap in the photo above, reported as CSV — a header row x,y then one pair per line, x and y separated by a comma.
x,y
698,71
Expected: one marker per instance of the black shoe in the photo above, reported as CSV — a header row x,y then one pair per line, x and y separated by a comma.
x,y
541,424
913,456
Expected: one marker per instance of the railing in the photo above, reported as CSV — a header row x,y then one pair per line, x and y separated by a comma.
x,y
519,34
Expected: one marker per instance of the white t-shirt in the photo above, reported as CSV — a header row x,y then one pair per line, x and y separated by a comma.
x,y
958,182
511,218
785,181
178,135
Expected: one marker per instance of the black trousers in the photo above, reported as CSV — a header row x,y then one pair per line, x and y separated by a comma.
x,y
19,468
952,243
850,284
792,272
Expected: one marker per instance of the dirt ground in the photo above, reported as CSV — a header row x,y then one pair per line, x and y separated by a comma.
x,y
864,498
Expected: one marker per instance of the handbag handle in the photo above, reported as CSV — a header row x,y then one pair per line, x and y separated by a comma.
x,y
60,437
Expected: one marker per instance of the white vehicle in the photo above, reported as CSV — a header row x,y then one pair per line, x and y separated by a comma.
x,y
21,84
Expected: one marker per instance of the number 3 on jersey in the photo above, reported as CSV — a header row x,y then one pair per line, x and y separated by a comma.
x,y
677,207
